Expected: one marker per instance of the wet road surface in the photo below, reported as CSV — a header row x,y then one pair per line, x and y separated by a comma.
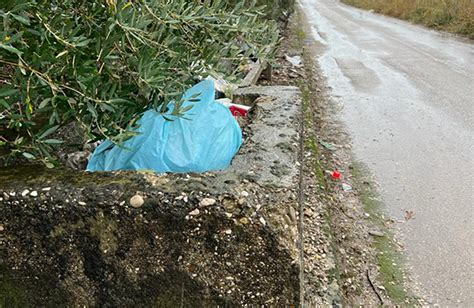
x,y
407,97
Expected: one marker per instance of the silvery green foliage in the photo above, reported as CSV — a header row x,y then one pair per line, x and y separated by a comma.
x,y
102,63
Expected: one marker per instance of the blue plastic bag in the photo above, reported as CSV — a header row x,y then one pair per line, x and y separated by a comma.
x,y
207,140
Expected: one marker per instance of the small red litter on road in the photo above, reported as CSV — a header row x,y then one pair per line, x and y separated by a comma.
x,y
336,175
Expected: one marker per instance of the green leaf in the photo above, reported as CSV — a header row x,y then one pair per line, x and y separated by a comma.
x,y
48,132
185,109
28,156
4,103
11,49
23,20
53,141
107,107
7,91
44,103
83,43
167,119
92,109
118,101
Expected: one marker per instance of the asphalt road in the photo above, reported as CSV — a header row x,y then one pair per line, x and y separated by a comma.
x,y
407,98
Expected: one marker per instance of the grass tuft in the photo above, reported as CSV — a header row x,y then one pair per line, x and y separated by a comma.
x,y
456,16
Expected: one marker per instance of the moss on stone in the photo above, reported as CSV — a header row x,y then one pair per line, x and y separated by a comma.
x,y
21,293
390,260
40,174
11,294
104,229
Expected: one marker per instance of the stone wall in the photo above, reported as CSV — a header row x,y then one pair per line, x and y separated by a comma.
x,y
127,238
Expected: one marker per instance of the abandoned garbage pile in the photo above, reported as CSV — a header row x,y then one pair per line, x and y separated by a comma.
x,y
205,140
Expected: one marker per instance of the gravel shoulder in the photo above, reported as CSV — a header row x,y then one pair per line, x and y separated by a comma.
x,y
350,255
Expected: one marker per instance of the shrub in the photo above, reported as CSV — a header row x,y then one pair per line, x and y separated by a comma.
x,y
274,9
102,63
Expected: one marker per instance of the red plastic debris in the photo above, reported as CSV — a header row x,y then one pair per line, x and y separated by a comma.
x,y
336,175
239,110
236,109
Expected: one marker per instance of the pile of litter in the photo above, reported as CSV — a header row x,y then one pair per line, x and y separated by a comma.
x,y
206,139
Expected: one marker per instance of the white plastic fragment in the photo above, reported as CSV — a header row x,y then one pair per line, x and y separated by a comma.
x,y
346,187
295,60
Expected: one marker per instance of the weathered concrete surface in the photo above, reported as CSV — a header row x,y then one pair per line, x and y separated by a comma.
x,y
275,134
224,238
406,95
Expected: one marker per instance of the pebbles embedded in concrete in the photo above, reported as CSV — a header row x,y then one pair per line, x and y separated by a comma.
x,y
136,201
25,192
376,233
34,193
194,212
308,212
244,220
2,228
207,202
244,194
